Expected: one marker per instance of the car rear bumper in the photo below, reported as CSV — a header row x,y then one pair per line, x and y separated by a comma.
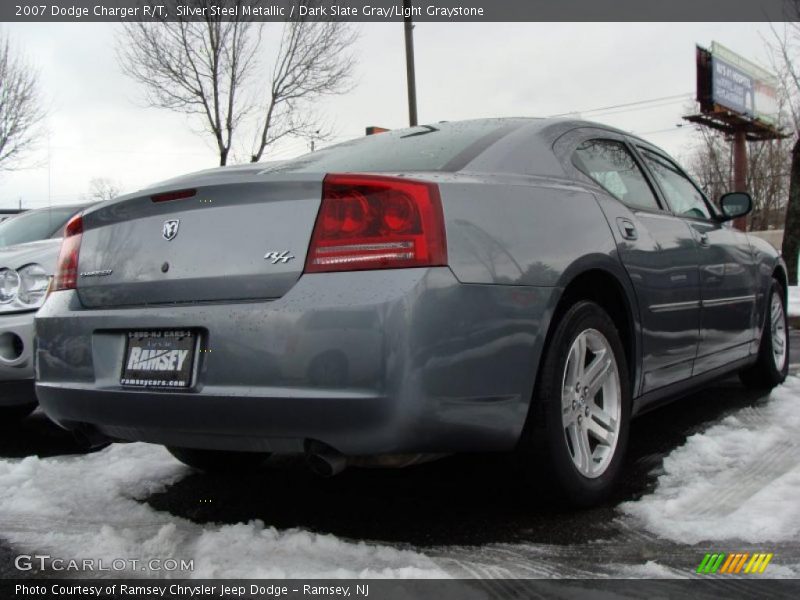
x,y
373,362
16,359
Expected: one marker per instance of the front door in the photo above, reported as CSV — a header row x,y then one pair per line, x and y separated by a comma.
x,y
727,269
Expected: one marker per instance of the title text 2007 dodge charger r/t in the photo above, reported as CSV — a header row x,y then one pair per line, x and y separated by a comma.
x,y
488,285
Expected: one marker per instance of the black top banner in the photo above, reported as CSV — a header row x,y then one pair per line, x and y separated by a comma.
x,y
389,10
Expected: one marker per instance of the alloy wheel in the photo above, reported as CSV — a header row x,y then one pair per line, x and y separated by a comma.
x,y
778,328
590,403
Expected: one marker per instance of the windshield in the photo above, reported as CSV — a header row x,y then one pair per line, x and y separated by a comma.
x,y
34,225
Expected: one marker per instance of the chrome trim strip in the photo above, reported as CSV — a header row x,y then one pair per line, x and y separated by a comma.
x,y
673,306
726,301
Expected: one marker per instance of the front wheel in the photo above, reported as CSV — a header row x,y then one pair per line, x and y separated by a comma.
x,y
219,461
772,365
579,436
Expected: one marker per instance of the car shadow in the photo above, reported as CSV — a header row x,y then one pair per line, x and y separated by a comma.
x,y
460,500
37,435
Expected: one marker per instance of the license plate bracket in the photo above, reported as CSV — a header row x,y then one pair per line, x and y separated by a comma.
x,y
161,358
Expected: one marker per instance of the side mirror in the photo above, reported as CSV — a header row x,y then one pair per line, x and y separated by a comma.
x,y
735,205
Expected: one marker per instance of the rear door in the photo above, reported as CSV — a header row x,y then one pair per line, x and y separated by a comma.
x,y
659,253
727,267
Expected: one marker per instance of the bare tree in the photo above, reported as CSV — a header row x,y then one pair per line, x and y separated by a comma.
x,y
212,68
102,188
711,165
785,50
313,61
21,111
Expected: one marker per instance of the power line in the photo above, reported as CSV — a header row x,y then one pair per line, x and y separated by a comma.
x,y
634,109
668,130
626,105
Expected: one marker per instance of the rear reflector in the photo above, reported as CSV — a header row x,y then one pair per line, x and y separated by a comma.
x,y
177,195
375,222
66,277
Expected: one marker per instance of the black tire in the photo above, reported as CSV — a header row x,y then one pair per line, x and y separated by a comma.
x,y
545,450
219,461
11,415
765,374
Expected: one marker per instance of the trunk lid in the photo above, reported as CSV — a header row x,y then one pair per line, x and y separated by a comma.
x,y
241,236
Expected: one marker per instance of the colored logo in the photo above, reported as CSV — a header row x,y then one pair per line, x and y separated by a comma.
x,y
734,563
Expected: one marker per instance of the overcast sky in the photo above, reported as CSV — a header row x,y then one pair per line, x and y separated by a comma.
x,y
99,127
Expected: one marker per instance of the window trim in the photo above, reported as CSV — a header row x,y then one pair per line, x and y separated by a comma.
x,y
659,204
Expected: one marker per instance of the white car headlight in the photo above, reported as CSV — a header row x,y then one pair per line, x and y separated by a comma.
x,y
33,282
9,285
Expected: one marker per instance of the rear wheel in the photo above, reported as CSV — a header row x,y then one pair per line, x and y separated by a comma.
x,y
578,438
773,353
219,461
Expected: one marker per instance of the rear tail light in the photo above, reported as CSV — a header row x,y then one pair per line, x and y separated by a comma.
x,y
374,222
66,277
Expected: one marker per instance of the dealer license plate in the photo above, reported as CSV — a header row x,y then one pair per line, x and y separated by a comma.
x,y
162,358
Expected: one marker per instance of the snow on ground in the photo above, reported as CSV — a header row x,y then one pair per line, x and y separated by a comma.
x,y
794,302
738,480
86,507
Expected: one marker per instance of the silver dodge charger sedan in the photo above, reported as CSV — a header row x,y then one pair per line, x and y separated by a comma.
x,y
524,285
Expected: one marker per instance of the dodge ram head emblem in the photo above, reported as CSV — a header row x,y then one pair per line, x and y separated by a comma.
x,y
170,229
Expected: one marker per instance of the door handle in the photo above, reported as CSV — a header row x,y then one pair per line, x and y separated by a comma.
x,y
627,229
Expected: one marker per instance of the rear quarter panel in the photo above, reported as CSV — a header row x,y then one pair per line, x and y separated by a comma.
x,y
538,233
512,230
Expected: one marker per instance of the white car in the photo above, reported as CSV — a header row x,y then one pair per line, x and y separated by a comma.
x,y
29,245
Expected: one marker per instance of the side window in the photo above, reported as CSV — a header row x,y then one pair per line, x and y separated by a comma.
x,y
682,195
611,165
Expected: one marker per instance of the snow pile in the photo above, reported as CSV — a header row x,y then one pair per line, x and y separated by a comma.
x,y
794,302
86,507
739,480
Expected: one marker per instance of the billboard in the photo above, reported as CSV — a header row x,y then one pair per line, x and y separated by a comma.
x,y
741,86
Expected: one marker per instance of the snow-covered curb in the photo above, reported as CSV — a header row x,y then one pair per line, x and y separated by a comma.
x,y
738,480
793,310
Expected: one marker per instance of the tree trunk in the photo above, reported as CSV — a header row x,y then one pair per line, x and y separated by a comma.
x,y
791,231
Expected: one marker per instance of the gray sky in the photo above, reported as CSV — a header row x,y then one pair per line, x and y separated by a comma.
x,y
98,125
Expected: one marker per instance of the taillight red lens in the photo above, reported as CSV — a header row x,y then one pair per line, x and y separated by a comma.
x,y
66,277
375,222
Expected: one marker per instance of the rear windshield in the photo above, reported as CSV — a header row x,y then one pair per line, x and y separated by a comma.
x,y
34,225
439,147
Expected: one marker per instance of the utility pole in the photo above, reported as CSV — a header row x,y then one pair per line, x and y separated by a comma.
x,y
740,170
410,76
